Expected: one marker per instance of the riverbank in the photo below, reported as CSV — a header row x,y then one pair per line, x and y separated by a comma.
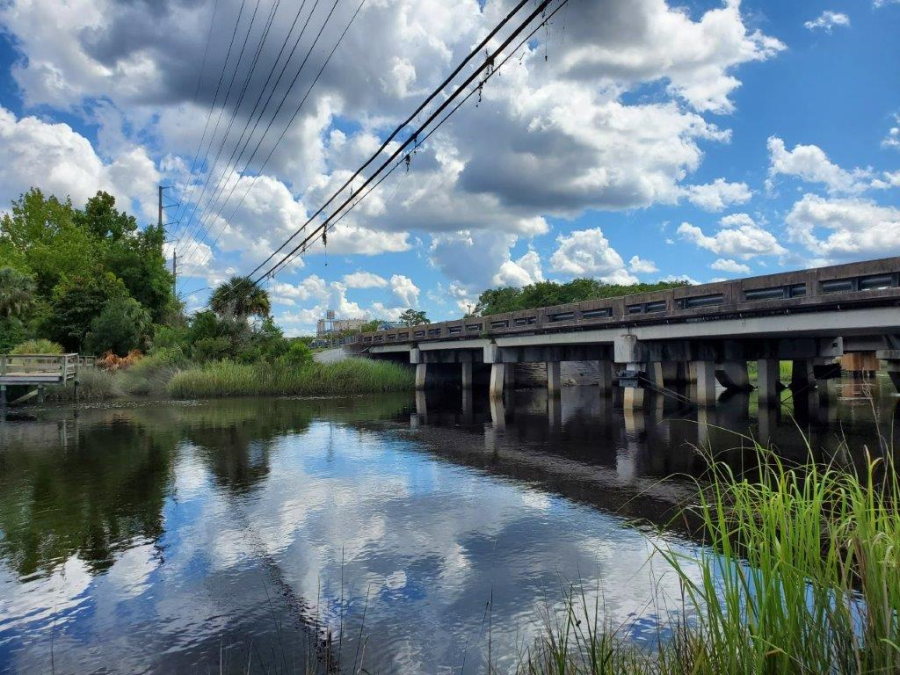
x,y
160,377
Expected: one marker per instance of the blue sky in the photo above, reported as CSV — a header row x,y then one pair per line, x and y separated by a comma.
x,y
629,141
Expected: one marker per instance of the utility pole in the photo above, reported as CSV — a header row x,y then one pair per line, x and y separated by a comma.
x,y
174,252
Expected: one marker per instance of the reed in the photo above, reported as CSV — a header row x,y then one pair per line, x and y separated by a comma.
x,y
800,574
351,376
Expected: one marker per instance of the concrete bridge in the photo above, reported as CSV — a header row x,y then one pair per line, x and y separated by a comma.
x,y
697,334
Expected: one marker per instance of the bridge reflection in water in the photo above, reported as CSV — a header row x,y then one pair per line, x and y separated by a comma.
x,y
589,447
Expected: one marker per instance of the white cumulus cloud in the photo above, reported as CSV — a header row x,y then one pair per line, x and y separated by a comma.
x,y
731,266
827,20
587,253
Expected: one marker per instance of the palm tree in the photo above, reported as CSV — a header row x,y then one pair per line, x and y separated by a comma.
x,y
239,297
17,293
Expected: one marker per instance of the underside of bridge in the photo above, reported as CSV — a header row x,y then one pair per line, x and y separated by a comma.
x,y
699,360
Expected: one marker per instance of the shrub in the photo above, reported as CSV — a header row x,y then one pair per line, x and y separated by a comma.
x,y
121,327
40,346
298,354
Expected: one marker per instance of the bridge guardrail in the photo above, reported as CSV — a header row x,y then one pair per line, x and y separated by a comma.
x,y
838,286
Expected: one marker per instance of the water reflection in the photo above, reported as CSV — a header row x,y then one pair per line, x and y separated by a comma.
x,y
175,537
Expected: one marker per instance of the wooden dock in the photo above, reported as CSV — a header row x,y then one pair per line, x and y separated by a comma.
x,y
40,370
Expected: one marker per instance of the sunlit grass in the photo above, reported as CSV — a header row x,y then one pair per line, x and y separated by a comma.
x,y
800,574
351,376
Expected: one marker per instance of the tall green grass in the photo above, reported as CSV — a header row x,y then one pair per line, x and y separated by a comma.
x,y
352,376
801,574
93,385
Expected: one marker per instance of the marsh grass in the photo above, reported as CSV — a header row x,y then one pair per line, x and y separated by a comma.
x,y
93,385
351,376
800,574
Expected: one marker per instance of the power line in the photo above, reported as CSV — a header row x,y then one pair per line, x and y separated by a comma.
x,y
285,130
476,51
212,23
211,170
213,104
283,99
233,164
488,63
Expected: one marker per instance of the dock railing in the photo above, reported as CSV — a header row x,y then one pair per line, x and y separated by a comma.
x,y
39,368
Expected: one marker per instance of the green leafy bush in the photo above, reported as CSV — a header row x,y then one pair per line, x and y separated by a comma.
x,y
121,327
37,347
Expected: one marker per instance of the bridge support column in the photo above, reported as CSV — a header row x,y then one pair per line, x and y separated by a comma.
x,y
2,395
40,394
498,380
802,374
633,398
891,360
768,382
421,376
733,376
605,377
467,371
510,376
554,378
706,382
662,373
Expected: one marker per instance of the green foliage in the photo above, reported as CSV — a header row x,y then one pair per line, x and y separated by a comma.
x,y
412,317
61,247
351,376
798,575
169,337
370,326
17,294
549,293
37,347
76,304
12,332
240,298
120,328
298,354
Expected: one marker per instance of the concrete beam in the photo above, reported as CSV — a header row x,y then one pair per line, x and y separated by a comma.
x,y
844,323
480,343
389,349
415,356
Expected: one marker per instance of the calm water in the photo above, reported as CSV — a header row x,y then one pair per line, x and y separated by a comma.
x,y
422,534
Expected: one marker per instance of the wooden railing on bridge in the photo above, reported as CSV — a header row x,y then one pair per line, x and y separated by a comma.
x,y
42,369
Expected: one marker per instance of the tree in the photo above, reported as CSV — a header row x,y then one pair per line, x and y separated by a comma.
x,y
412,317
76,304
134,256
548,293
239,297
17,294
122,326
40,236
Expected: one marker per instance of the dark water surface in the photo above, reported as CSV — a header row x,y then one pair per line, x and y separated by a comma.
x,y
423,534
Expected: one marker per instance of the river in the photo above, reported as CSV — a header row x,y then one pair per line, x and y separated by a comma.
x,y
410,534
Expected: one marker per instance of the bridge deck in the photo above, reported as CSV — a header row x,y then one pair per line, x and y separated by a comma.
x,y
872,284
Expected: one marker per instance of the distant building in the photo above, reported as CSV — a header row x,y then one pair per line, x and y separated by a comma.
x,y
330,325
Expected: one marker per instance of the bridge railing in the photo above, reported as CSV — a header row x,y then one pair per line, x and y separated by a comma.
x,y
63,366
828,287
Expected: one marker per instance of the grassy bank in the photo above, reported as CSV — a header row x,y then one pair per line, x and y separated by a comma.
x,y
801,575
352,376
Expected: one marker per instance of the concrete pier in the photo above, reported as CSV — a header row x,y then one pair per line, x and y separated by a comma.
x,y
706,383
733,375
554,381
498,380
769,370
467,369
421,376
